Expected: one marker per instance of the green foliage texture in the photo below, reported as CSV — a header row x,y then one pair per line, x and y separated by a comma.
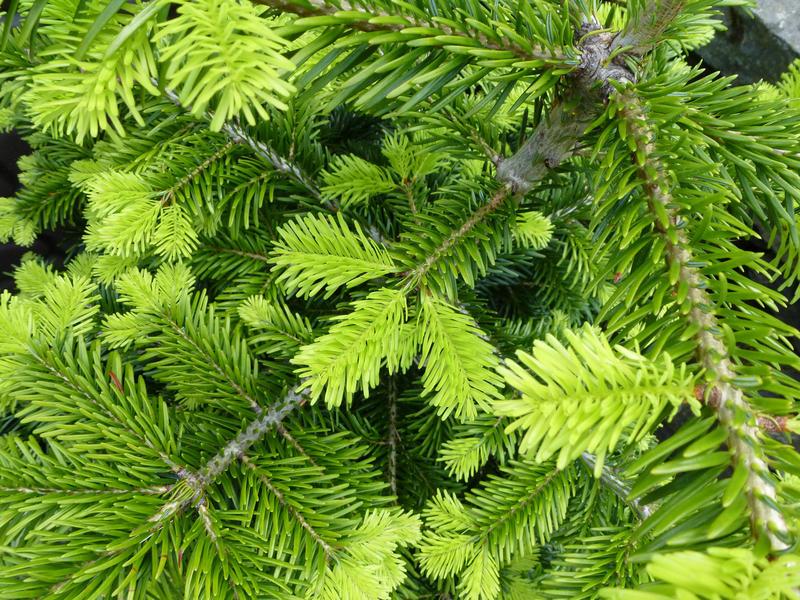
x,y
379,299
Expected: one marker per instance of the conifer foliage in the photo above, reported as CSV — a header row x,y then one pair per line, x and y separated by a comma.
x,y
375,299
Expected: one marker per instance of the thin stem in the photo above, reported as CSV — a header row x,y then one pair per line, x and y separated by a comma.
x,y
408,188
239,135
209,359
522,503
155,491
619,487
253,255
494,157
451,240
329,549
278,162
393,435
295,444
88,563
169,193
202,509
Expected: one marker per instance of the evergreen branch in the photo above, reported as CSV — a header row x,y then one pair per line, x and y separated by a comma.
x,y
317,97
239,135
554,138
329,549
376,21
278,162
278,331
521,504
174,467
494,157
459,362
181,331
465,453
293,441
715,573
533,230
710,350
169,194
472,540
355,349
316,253
355,180
496,201
551,143
225,55
55,588
197,482
582,395
208,524
252,433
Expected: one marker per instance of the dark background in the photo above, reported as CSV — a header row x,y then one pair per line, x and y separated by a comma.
x,y
48,244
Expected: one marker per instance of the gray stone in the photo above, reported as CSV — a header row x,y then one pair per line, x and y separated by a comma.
x,y
782,17
757,47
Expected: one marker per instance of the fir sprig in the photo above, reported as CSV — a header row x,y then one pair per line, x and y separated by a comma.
x,y
280,363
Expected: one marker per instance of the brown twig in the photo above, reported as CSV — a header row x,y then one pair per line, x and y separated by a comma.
x,y
393,434
769,423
